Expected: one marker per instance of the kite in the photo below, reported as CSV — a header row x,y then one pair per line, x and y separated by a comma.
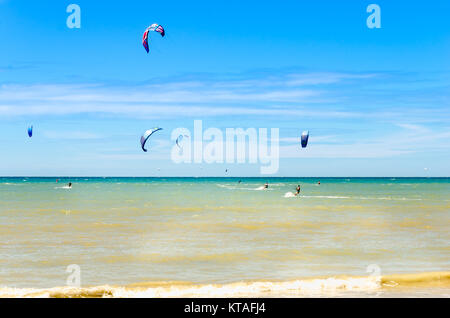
x,y
180,139
147,135
304,138
154,27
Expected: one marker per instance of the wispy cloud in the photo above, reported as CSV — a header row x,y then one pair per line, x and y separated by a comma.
x,y
266,96
71,135
412,139
308,95
355,127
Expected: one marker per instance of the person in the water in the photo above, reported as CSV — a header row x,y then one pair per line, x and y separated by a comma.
x,y
70,184
266,185
298,190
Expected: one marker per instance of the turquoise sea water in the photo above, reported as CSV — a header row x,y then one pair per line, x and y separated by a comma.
x,y
123,231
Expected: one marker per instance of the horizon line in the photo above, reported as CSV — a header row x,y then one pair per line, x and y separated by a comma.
x,y
261,177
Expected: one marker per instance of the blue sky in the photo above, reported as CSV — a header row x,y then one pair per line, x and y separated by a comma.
x,y
376,101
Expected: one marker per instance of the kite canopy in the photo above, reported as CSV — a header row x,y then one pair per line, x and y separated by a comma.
x,y
30,131
154,27
304,138
147,135
180,139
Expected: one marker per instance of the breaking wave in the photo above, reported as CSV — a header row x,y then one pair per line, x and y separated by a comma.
x,y
332,286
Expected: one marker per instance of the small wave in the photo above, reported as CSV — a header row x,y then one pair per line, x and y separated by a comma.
x,y
389,198
232,187
64,187
428,279
331,286
289,195
326,196
361,198
327,286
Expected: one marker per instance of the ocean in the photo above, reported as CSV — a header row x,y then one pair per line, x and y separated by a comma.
x,y
218,237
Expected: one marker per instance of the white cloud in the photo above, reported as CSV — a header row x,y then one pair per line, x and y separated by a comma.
x,y
386,145
323,78
303,97
205,97
274,95
75,135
